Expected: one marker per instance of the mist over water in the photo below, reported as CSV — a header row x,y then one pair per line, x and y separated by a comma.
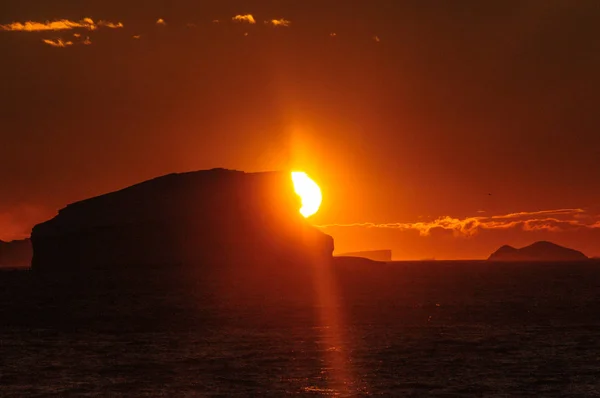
x,y
402,329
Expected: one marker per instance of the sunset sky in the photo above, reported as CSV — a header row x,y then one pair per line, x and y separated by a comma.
x,y
436,129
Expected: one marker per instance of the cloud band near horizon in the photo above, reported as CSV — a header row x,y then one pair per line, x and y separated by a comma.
x,y
557,220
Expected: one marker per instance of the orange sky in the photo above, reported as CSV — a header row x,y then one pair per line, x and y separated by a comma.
x,y
413,116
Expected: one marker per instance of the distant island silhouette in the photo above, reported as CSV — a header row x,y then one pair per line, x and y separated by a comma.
x,y
538,251
375,255
196,218
16,253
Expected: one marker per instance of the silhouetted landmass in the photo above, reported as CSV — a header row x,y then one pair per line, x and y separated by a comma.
x,y
211,217
16,253
376,255
538,251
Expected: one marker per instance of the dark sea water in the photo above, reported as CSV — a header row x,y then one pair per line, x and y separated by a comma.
x,y
401,329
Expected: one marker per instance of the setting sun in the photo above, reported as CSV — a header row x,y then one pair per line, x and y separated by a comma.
x,y
309,193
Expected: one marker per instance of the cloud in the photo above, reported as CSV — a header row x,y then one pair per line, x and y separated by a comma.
x,y
111,25
244,18
541,212
61,24
58,43
376,38
558,220
87,41
333,34
161,22
136,36
278,22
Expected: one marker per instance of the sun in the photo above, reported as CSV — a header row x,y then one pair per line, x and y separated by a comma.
x,y
309,193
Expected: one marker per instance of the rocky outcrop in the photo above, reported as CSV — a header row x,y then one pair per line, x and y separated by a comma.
x,y
538,251
15,254
375,255
198,218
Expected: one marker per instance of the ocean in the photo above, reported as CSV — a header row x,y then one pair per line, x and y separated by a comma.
x,y
439,329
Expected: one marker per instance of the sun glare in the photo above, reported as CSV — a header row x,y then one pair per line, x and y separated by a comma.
x,y
309,193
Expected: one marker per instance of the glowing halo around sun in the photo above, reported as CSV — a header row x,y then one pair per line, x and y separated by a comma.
x,y
309,192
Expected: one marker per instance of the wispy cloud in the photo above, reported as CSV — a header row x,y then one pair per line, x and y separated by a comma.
x,y
161,22
58,43
376,38
61,24
546,220
541,213
244,18
111,25
278,22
